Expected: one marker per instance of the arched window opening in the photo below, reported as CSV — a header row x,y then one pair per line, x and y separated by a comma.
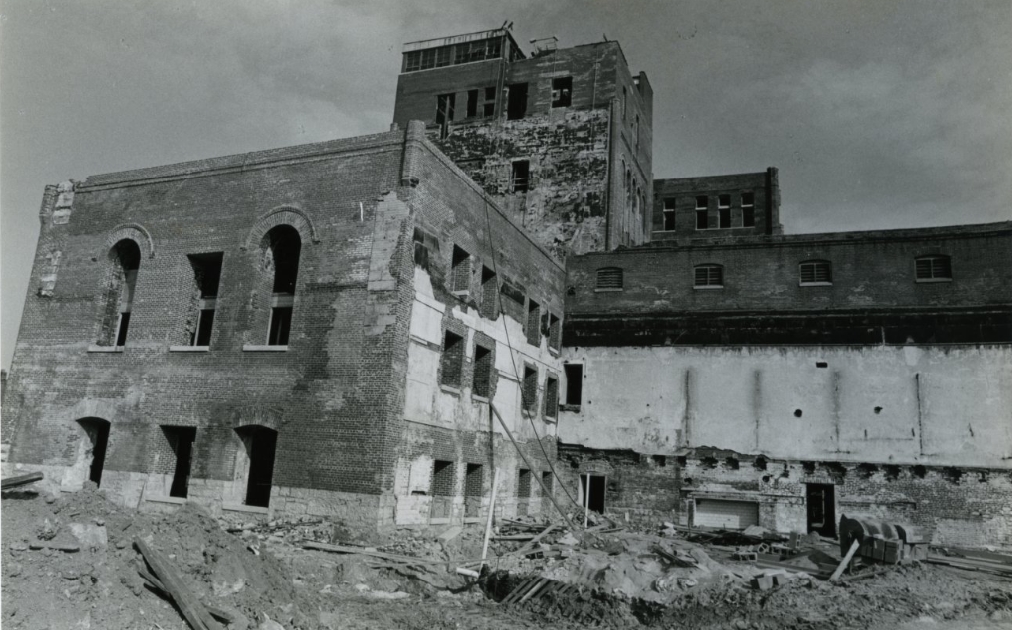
x,y
281,247
125,261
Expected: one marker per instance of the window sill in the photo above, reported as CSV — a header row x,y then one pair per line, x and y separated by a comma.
x,y
607,290
709,287
105,348
932,280
239,507
189,348
477,398
573,408
815,284
461,294
172,500
554,352
251,348
550,419
450,389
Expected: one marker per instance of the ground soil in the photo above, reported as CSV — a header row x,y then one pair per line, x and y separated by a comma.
x,y
262,572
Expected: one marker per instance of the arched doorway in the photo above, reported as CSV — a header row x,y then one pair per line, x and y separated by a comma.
x,y
96,443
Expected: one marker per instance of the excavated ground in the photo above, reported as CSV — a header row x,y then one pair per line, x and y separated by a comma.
x,y
260,573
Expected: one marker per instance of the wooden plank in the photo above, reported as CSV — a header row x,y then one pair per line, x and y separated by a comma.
x,y
376,554
846,560
540,585
157,584
514,537
491,514
534,541
20,480
517,590
191,607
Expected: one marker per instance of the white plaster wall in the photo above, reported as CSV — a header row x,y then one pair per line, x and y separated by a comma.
x,y
938,405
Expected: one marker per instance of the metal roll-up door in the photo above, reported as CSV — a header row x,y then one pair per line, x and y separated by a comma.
x,y
726,514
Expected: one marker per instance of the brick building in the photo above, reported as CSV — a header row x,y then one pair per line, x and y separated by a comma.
x,y
324,329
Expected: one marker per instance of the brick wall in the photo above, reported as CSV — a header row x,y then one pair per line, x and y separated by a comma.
x,y
681,194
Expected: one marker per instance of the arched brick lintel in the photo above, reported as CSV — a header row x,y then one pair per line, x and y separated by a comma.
x,y
283,215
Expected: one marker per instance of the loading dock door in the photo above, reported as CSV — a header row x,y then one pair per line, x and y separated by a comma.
x,y
726,514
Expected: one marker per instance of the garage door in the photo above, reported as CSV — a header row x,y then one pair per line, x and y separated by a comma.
x,y
726,514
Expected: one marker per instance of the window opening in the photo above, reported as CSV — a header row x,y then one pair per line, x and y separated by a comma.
x,y
724,208
260,447
482,379
460,271
282,256
551,397
747,209
96,431
516,103
816,272
488,109
702,221
472,103
206,277
669,215
181,440
548,483
820,502
533,328
709,276
574,384
554,332
453,357
529,393
441,489
489,290
933,268
562,92
593,489
444,112
609,279
520,176
523,492
126,261
474,481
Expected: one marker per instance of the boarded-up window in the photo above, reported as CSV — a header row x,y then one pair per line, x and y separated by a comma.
x,y
473,483
489,293
529,393
482,371
551,397
816,272
934,268
554,332
533,328
609,279
520,176
460,271
709,276
453,358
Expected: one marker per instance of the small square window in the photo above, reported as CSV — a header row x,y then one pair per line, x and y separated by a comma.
x,y
933,269
723,201
709,276
702,203
562,92
520,176
609,279
816,272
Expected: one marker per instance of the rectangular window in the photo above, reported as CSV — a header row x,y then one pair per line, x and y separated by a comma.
x,y
816,272
441,489
516,104
206,277
472,103
933,268
702,220
548,483
460,271
281,319
562,92
609,279
709,276
482,371
126,305
489,293
181,441
413,61
554,332
452,360
533,327
724,210
523,492
520,176
551,397
444,108
669,215
444,55
474,480
748,209
574,384
488,109
529,393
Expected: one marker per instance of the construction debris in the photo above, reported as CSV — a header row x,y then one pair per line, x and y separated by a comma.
x,y
20,480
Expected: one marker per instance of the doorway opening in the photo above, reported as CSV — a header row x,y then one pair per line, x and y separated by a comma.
x,y
516,101
593,497
260,445
820,501
97,431
181,440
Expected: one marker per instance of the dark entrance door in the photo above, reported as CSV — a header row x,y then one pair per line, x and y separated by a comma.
x,y
98,433
262,444
820,499
594,495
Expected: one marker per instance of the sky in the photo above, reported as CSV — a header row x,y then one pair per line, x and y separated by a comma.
x,y
878,114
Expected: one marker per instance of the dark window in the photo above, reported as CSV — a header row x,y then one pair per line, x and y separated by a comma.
x,y
453,358
474,480
723,201
669,215
488,109
482,371
816,272
709,276
281,321
724,210
489,293
934,268
125,258
747,209
562,92
533,328
444,108
181,441
460,271
529,392
520,177
548,483
524,484
574,383
609,278
554,332
472,103
412,61
283,246
260,448
701,203
702,221
551,397
516,105
206,277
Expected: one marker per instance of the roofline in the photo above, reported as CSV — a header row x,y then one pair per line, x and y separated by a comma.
x,y
464,37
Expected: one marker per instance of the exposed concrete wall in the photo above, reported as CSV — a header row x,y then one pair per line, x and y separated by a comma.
x,y
929,405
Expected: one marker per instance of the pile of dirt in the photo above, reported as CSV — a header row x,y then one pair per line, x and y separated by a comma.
x,y
70,562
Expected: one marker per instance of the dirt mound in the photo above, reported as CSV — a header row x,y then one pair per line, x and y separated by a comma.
x,y
45,584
